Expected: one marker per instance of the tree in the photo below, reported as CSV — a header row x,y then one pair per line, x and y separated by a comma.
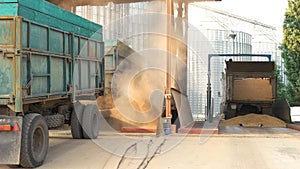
x,y
281,88
291,51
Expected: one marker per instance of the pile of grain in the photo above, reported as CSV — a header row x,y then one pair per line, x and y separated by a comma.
x,y
252,120
105,102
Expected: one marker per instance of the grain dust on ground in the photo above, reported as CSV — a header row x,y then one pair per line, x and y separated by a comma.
x,y
254,120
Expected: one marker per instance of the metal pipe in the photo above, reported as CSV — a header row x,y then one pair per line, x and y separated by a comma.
x,y
208,109
233,50
169,4
233,35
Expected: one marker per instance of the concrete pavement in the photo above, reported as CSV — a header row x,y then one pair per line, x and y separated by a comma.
x,y
235,147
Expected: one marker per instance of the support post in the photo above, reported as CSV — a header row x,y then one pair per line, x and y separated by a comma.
x,y
169,5
209,112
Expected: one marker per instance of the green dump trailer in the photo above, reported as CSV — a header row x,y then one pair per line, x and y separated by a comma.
x,y
50,60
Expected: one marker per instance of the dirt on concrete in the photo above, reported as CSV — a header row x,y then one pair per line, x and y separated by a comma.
x,y
254,120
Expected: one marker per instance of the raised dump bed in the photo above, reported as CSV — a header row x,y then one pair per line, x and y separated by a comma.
x,y
49,59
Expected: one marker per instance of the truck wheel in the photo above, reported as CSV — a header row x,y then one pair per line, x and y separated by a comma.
x,y
90,122
54,121
76,121
35,140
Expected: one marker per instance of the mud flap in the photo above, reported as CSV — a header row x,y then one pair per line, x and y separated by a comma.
x,y
10,141
281,109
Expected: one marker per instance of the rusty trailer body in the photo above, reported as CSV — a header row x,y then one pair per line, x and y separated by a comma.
x,y
49,59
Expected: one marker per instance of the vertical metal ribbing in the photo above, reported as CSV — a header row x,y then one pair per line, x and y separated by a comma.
x,y
18,65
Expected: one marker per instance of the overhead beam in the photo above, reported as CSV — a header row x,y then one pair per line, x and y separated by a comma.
x,y
68,4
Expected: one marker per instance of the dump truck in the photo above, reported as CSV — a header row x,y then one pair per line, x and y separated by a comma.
x,y
50,60
251,87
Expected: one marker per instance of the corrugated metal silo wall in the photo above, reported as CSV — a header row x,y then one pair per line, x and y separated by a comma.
x,y
204,42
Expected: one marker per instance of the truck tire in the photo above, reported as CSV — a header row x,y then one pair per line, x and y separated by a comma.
x,y
54,121
90,121
76,121
35,141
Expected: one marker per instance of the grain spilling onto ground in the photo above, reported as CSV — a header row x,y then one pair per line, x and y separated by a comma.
x,y
105,102
251,120
115,119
